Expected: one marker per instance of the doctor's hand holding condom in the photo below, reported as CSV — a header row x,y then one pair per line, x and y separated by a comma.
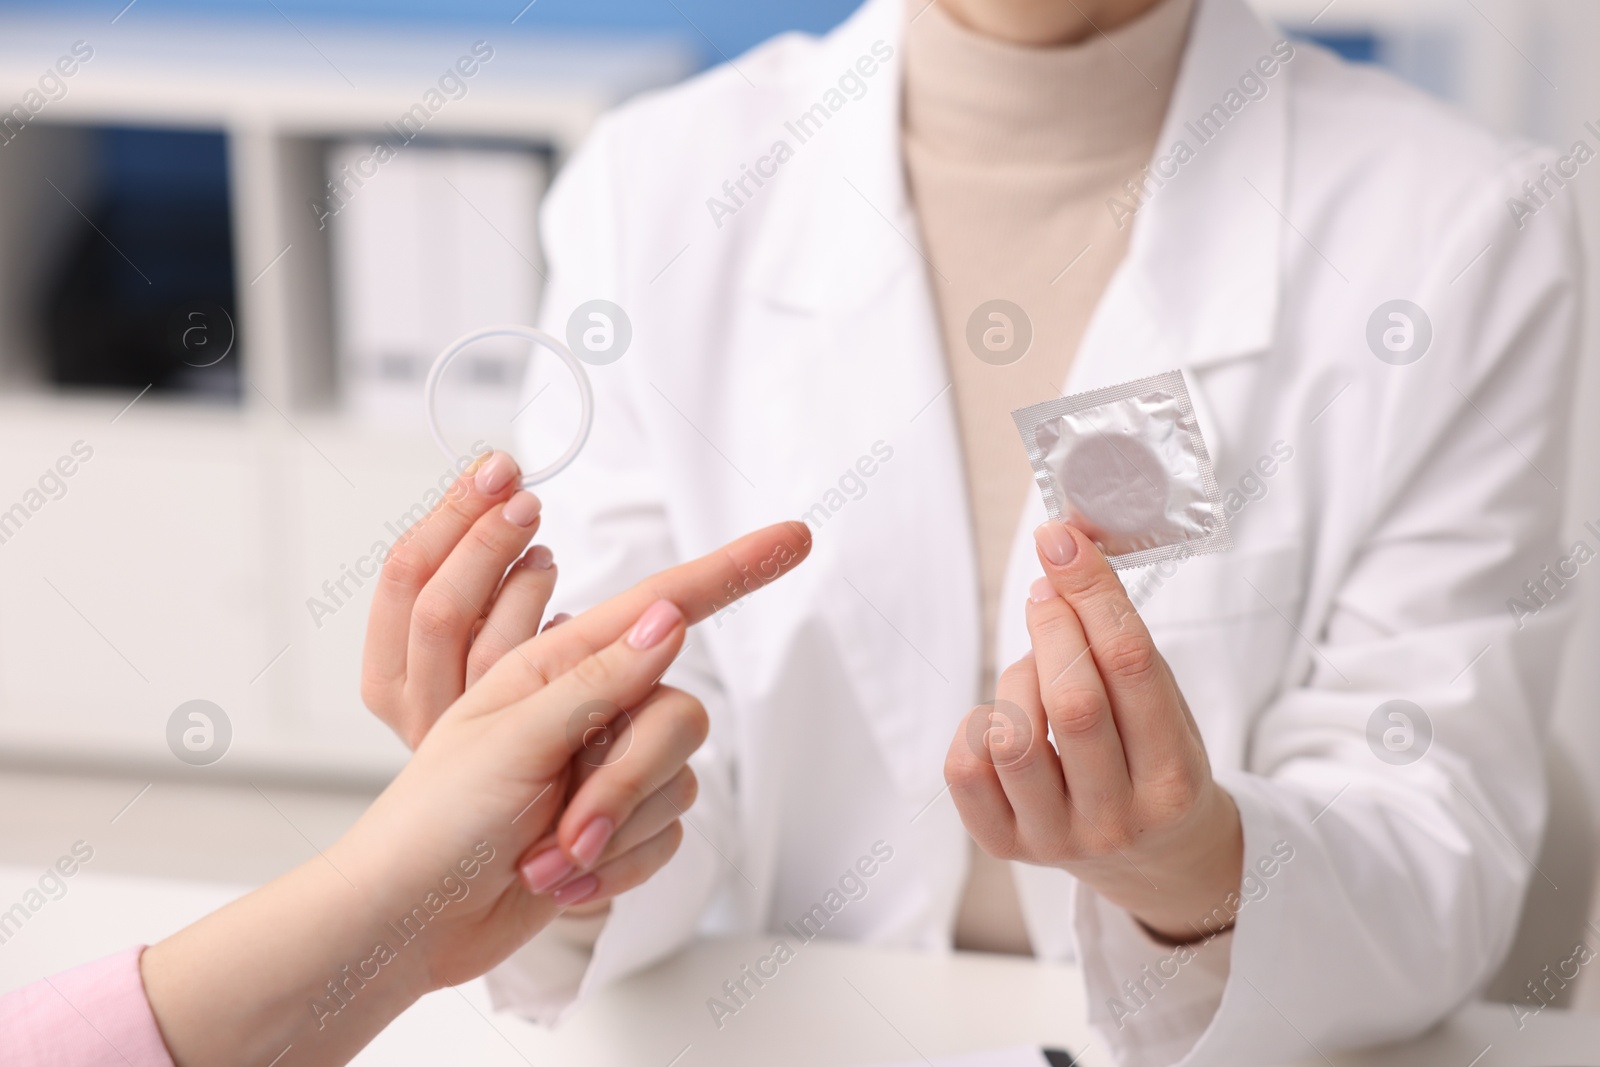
x,y
1124,800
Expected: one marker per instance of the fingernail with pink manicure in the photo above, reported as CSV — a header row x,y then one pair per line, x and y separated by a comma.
x,y
591,843
1055,543
576,892
539,558
495,474
656,622
521,509
545,870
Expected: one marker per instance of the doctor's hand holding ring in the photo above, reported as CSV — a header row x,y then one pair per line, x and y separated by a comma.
x,y
446,607
1124,800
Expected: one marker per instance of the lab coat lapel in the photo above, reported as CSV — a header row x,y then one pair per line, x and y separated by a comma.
x,y
902,601
1199,285
1198,290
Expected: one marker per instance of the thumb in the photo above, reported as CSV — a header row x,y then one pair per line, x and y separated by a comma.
x,y
553,723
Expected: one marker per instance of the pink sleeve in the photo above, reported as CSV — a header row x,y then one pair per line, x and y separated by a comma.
x,y
94,1016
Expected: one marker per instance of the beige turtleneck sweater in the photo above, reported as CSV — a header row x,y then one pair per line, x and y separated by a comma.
x,y
1011,156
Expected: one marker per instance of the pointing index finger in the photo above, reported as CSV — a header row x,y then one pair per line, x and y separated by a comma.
x,y
699,588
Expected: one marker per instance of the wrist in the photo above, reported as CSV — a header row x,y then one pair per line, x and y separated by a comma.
x,y
356,975
306,934
1207,880
1181,890
379,895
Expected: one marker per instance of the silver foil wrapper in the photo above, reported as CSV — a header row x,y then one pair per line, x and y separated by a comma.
x,y
1127,465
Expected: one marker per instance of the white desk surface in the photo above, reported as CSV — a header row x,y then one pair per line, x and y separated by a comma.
x,y
833,1005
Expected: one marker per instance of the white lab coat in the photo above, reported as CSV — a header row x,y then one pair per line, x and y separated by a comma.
x,y
785,349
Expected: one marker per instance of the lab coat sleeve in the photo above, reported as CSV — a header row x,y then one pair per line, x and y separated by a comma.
x,y
1378,894
605,520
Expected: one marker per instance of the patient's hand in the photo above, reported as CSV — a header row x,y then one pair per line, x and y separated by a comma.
x,y
446,608
498,768
510,762
496,825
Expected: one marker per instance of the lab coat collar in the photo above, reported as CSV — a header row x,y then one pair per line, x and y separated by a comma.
x,y
821,258
840,245
1200,281
1201,278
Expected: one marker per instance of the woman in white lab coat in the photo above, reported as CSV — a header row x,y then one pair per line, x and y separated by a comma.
x,y
1379,343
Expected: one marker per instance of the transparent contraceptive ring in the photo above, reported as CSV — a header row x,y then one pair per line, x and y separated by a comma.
x,y
436,373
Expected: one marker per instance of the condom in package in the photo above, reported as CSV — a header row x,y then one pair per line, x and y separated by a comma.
x,y
1127,465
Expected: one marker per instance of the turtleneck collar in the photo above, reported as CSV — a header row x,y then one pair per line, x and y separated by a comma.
x,y
970,98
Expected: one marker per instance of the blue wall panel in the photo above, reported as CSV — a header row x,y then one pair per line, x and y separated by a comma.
x,y
731,25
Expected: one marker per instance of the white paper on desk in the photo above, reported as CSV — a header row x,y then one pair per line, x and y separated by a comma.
x,y
1016,1057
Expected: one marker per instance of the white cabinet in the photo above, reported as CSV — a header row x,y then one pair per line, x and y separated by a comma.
x,y
178,563
141,586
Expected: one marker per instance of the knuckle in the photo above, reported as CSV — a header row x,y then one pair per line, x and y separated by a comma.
x,y
688,789
1099,590
959,771
458,499
1049,623
1003,846
1015,752
405,567
965,772
1018,676
1122,610
1125,832
485,538
627,785
1130,658
1011,739
1118,826
529,670
536,672
1076,711
1175,789
436,620
593,674
690,717
486,652
1111,837
1084,583
1055,845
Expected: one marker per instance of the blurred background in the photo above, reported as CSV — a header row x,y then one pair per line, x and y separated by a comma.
x,y
219,326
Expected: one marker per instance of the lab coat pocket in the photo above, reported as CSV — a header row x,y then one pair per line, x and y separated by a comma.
x,y
1226,625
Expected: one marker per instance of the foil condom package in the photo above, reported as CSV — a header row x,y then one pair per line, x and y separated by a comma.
x,y
1127,465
